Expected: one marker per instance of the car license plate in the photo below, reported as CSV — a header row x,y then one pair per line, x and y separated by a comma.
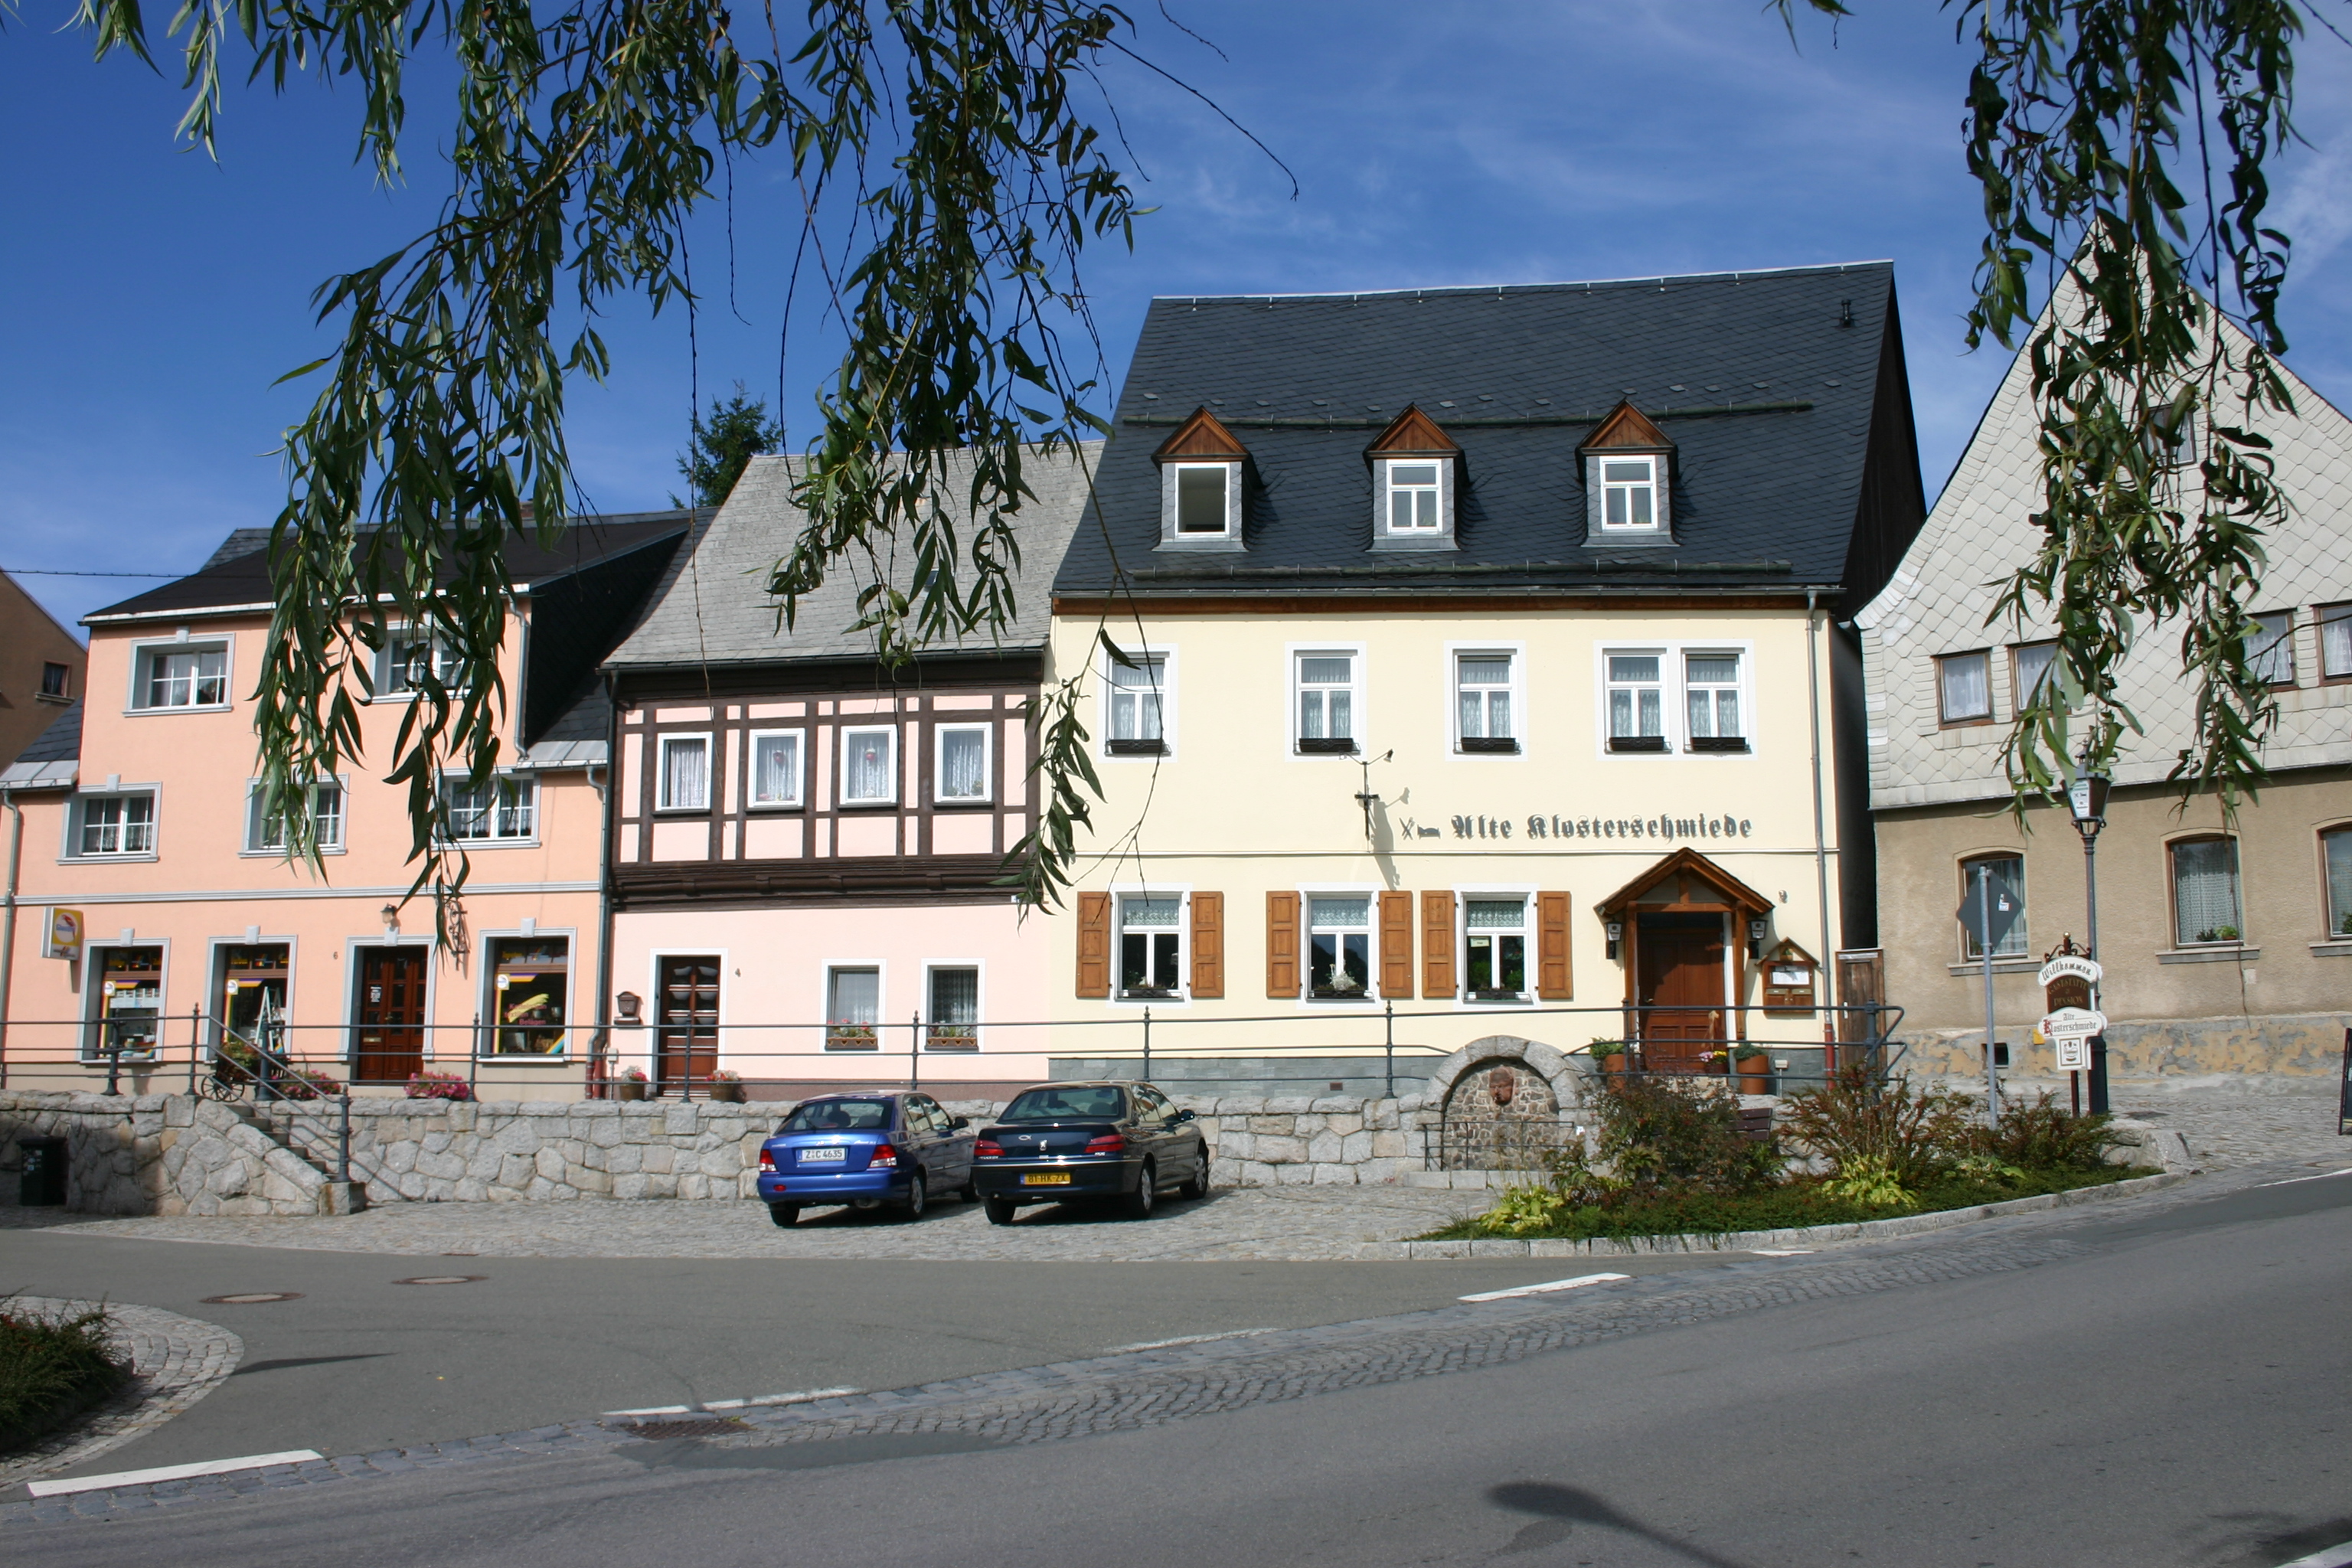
x,y
823,1156
1046,1179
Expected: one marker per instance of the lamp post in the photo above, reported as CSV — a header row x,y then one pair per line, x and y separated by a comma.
x,y
2086,799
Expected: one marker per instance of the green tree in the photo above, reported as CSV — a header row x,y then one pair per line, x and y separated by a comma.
x,y
724,445
950,179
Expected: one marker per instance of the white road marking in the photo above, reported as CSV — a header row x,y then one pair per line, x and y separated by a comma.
x,y
656,1410
1582,1280
2291,1180
169,1473
1186,1339
1782,1251
2334,1556
802,1397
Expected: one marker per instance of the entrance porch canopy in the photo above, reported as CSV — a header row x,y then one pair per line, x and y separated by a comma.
x,y
1684,883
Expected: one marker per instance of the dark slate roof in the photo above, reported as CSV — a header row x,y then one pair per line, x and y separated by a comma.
x,y
238,575
1771,384
60,742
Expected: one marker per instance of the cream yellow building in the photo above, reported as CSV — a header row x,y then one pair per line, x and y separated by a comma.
x,y
1478,673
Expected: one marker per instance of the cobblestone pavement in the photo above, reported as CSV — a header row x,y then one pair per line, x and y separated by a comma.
x,y
175,1361
2241,1121
1304,1224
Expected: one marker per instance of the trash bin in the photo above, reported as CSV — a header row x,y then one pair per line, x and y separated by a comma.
x,y
43,1182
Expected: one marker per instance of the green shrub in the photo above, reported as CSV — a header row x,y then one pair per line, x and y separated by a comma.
x,y
1658,1133
53,1368
1868,1181
1857,1120
2043,1137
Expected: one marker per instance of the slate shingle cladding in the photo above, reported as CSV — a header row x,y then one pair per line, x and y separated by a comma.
x,y
1784,392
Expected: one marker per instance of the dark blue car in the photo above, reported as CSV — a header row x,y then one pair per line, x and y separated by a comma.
x,y
1116,1142
866,1150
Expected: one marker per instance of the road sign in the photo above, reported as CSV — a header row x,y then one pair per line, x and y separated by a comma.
x,y
2005,910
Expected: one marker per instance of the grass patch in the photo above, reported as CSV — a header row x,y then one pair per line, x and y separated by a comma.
x,y
1786,1206
52,1368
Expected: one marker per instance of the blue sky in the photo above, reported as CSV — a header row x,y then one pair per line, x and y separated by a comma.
x,y
154,296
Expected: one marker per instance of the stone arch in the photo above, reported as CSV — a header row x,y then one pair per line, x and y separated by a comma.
x,y
1565,1083
1502,1103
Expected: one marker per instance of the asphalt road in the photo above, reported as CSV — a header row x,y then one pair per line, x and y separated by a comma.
x,y
360,1364
2175,1393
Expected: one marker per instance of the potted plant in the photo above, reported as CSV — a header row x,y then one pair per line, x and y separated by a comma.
x,y
1608,1055
630,1085
431,1085
1755,1065
726,1087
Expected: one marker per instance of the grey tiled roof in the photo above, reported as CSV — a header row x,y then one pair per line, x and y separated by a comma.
x,y
714,606
1758,379
51,761
1981,530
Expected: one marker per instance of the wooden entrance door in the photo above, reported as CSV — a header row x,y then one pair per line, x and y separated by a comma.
x,y
390,1034
687,1035
1681,967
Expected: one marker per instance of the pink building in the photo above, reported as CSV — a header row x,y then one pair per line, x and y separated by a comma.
x,y
133,819
811,847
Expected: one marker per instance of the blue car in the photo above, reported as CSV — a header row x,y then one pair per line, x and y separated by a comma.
x,y
1114,1142
866,1151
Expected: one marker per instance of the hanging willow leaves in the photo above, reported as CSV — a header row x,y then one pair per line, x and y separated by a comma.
x,y
2122,148
937,144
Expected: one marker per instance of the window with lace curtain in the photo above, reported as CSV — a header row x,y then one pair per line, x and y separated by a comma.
x,y
1964,688
2271,649
962,763
869,767
2334,642
2205,902
685,774
775,768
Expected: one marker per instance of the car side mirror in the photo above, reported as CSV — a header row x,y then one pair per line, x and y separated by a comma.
x,y
957,1124
1183,1116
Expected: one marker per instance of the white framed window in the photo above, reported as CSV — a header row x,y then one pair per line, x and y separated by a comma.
x,y
505,810
2007,873
1204,500
180,675
869,765
952,1017
2270,648
1485,710
1713,705
1637,700
853,1007
682,781
1150,944
265,832
775,768
2029,670
1136,694
961,769
2205,902
1964,688
118,825
1493,948
2334,642
1416,503
1327,704
1629,493
1339,947
410,656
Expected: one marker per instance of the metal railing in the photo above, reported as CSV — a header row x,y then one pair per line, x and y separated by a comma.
x,y
647,1057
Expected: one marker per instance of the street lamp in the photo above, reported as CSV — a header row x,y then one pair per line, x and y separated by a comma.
x,y
2086,799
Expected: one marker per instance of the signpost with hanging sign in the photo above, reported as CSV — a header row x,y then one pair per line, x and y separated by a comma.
x,y
2069,980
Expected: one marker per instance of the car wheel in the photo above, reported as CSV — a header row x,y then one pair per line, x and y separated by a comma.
x,y
1001,1210
785,1214
1146,1197
919,1196
1197,1184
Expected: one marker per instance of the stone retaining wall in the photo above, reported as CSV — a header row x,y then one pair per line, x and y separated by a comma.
x,y
162,1153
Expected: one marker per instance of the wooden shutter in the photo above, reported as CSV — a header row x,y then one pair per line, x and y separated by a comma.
x,y
1437,944
1396,944
1282,944
1094,944
1208,944
1552,979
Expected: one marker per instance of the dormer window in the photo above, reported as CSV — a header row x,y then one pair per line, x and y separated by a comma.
x,y
1415,466
1201,493
1628,482
1201,486
1629,492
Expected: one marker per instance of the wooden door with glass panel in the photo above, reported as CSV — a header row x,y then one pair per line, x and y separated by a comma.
x,y
687,1029
1681,990
389,1047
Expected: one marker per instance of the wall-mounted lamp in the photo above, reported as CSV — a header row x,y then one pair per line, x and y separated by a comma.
x,y
626,1004
1755,929
1616,929
390,913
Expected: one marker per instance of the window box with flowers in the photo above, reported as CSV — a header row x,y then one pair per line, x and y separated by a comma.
x,y
431,1085
850,1037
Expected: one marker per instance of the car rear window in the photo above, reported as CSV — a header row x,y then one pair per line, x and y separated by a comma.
x,y
1055,1104
838,1116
